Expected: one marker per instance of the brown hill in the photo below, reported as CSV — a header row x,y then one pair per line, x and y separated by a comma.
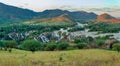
x,y
61,18
107,18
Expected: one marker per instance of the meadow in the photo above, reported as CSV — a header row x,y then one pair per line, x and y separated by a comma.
x,y
85,57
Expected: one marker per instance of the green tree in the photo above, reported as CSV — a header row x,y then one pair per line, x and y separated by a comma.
x,y
50,46
31,45
100,42
81,45
116,47
9,44
62,45
1,45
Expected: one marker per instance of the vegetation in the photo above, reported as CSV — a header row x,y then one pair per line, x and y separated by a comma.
x,y
116,47
2,45
81,45
87,57
105,27
62,45
51,46
31,45
8,45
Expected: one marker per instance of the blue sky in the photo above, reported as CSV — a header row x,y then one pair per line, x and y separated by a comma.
x,y
98,6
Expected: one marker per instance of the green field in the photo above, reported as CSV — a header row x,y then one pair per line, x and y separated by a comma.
x,y
89,57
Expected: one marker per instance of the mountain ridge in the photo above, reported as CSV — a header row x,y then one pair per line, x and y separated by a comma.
x,y
12,14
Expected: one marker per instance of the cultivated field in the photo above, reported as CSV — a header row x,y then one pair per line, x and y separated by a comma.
x,y
89,57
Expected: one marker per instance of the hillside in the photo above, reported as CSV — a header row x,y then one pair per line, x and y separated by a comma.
x,y
14,14
61,18
91,57
76,15
11,14
108,18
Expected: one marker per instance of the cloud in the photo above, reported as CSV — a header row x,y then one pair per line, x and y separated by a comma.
x,y
105,9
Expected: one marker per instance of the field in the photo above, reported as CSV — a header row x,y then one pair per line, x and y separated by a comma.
x,y
86,57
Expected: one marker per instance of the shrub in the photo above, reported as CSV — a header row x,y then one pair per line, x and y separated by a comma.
x,y
50,46
116,47
62,45
1,45
100,42
31,45
81,40
81,45
9,44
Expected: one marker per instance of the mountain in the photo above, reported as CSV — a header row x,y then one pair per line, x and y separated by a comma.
x,y
107,18
61,18
11,14
14,14
76,15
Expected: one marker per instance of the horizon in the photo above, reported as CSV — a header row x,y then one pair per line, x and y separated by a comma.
x,y
111,7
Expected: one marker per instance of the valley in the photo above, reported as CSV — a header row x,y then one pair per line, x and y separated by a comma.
x,y
58,37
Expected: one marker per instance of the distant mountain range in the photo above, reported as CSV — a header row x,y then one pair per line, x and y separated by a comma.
x,y
14,14
107,18
11,14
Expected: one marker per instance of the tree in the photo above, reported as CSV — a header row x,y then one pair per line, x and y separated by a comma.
x,y
1,45
81,40
9,44
50,46
100,42
81,45
62,45
116,47
31,45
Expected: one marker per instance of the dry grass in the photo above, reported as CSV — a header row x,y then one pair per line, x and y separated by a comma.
x,y
90,57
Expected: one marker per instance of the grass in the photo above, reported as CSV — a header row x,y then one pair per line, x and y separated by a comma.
x,y
89,57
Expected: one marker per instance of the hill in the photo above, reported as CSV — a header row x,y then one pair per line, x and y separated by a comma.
x,y
76,15
61,18
14,14
107,18
90,57
11,14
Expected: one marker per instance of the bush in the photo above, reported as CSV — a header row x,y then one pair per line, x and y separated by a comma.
x,y
31,45
81,40
9,44
116,47
100,42
62,45
72,48
50,47
81,45
1,45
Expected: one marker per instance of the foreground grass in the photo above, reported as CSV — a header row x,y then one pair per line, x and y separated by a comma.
x,y
90,57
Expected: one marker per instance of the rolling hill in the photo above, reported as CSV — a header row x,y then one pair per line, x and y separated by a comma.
x,y
107,18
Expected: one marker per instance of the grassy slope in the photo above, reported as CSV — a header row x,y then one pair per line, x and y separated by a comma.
x,y
91,57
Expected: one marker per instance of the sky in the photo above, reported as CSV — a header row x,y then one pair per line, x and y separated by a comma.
x,y
98,6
